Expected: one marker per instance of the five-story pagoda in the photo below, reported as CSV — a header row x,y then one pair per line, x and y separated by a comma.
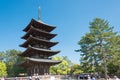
x,y
38,45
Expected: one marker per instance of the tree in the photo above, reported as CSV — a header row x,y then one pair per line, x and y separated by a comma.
x,y
63,68
3,71
76,69
114,64
2,55
12,60
98,47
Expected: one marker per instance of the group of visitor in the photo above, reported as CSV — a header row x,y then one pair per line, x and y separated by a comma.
x,y
108,78
89,77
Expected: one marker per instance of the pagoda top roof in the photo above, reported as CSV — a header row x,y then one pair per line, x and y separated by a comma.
x,y
39,24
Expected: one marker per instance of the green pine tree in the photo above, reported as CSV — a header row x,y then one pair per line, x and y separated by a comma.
x,y
98,47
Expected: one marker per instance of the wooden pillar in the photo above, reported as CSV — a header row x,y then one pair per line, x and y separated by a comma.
x,y
44,72
48,69
27,71
38,69
34,70
30,71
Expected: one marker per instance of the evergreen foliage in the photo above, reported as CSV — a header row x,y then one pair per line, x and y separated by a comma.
x,y
99,48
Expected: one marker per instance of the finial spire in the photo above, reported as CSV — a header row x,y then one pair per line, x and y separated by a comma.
x,y
39,13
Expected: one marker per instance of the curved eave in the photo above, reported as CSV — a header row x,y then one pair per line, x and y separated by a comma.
x,y
25,64
33,30
44,61
30,51
31,61
39,24
33,40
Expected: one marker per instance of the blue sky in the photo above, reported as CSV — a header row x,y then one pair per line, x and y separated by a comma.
x,y
71,17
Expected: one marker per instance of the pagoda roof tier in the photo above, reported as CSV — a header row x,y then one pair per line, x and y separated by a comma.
x,y
33,41
30,51
31,61
38,32
39,25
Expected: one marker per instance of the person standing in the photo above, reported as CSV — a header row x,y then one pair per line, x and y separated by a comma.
x,y
88,77
93,78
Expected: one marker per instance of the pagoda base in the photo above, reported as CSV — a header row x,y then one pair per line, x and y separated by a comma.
x,y
38,70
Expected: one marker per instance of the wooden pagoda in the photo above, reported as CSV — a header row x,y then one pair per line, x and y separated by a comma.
x,y
38,45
